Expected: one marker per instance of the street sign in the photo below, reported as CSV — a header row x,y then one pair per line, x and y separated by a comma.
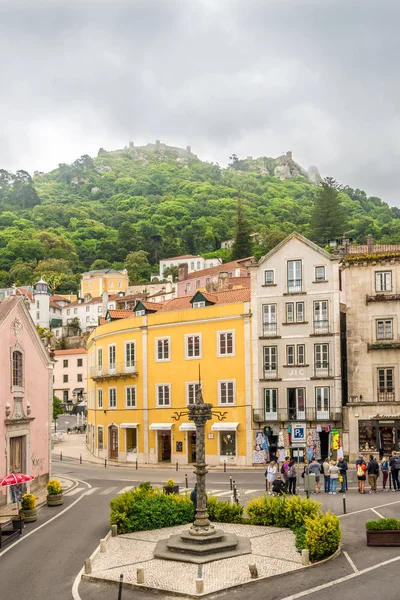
x,y
299,433
298,445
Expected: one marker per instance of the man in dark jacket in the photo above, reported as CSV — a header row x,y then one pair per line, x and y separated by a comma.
x,y
278,486
373,473
193,497
342,464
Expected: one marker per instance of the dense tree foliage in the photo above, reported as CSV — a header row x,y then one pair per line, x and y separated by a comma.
x,y
328,219
131,208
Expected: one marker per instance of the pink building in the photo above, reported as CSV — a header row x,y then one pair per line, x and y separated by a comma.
x,y
70,375
26,385
224,276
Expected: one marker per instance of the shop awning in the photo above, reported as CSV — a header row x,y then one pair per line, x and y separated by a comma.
x,y
129,425
187,427
76,390
161,426
224,426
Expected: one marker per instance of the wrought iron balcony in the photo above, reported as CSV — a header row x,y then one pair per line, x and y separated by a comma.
x,y
322,370
294,286
386,395
308,414
114,370
321,327
269,329
270,371
381,345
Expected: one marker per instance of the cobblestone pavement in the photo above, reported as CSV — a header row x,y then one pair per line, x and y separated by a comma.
x,y
273,551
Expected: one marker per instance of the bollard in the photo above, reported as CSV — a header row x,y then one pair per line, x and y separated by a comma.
x,y
390,481
60,455
305,557
224,466
140,575
88,566
344,504
105,463
199,586
121,581
253,571
186,481
103,545
176,467
136,465
114,531
230,483
80,458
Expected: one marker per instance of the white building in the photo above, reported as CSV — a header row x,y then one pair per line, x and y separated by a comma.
x,y
193,262
88,312
70,375
295,296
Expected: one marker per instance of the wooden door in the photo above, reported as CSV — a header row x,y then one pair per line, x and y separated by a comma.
x,y
113,445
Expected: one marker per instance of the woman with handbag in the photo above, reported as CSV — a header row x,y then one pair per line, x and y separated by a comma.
x,y
361,476
342,464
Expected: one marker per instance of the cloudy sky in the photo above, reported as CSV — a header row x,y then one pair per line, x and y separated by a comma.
x,y
254,77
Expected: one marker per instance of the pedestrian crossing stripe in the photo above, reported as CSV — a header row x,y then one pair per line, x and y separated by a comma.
x,y
108,490
75,491
112,490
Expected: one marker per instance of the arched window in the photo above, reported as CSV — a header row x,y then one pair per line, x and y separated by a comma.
x,y
17,369
198,265
192,266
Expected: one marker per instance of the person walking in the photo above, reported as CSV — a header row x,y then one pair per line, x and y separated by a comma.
x,y
315,467
385,472
284,471
342,464
291,474
373,474
333,477
394,464
325,467
361,470
270,475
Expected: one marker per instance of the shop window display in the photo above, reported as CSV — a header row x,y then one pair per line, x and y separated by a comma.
x,y
367,436
228,443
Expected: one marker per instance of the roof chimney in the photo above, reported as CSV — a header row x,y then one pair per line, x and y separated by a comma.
x,y
183,271
369,244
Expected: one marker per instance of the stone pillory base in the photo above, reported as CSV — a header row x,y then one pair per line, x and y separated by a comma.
x,y
202,543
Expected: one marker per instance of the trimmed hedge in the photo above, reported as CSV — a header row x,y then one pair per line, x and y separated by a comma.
x,y
224,512
383,524
322,536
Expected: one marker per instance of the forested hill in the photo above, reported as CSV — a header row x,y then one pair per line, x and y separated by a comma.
x,y
166,202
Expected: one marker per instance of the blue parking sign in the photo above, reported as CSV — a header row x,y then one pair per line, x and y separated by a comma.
x,y
299,432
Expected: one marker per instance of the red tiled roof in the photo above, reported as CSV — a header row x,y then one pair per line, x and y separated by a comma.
x,y
55,305
25,293
71,351
102,321
226,297
363,249
154,306
239,282
121,314
234,264
183,256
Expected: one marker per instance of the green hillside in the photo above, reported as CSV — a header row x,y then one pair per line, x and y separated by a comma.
x,y
165,203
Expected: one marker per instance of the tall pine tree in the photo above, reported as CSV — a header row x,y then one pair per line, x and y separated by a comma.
x,y
328,218
242,245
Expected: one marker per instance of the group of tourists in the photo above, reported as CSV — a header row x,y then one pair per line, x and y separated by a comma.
x,y
283,479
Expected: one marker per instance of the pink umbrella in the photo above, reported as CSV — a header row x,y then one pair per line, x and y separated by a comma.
x,y
15,479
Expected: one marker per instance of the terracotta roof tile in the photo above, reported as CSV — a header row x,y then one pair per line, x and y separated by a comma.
x,y
70,351
226,297
121,314
234,264
154,306
25,293
102,321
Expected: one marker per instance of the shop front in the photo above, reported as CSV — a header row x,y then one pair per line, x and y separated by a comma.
x,y
379,436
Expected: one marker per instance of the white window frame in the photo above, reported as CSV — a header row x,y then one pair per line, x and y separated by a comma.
x,y
323,412
269,324
302,320
294,284
127,393
112,365
140,313
317,277
221,334
269,271
290,314
129,363
162,339
291,354
102,441
270,362
195,385
384,335
195,356
271,415
383,281
222,382
163,404
100,398
299,361
201,304
110,389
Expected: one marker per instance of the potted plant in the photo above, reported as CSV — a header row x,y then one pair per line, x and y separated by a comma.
x,y
29,509
171,488
383,532
54,493
18,522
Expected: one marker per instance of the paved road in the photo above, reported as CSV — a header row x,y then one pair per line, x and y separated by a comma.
x,y
45,563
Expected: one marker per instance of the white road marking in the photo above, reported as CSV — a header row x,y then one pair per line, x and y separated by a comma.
x,y
356,512
229,493
125,489
74,491
92,491
353,566
376,512
108,490
252,491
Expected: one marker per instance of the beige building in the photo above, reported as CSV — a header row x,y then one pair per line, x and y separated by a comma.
x,y
372,414
94,283
70,375
296,308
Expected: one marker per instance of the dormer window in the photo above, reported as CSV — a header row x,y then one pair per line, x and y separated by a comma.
x,y
17,369
199,304
140,313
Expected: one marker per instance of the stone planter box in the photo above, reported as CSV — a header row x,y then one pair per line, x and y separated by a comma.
x,y
171,489
383,537
30,515
55,500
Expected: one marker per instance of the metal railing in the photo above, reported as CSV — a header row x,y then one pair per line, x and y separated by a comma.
x,y
322,369
308,414
294,286
386,395
321,326
113,370
271,371
269,329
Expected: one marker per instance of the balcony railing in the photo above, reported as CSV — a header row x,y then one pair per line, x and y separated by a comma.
x,y
113,370
321,326
269,329
386,396
270,371
308,414
322,370
294,286
383,346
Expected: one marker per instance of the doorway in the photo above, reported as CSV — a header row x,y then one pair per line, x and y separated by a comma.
x,y
324,441
17,454
191,446
113,445
164,446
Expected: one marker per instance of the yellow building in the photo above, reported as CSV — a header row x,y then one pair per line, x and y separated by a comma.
x,y
94,283
145,368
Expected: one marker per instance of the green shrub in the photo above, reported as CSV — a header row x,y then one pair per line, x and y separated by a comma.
x,y
281,511
382,524
224,512
300,533
54,487
28,502
322,535
144,508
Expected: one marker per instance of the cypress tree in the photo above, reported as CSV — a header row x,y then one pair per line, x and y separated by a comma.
x,y
328,219
242,245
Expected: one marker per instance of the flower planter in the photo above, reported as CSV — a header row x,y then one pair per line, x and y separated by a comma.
x,y
383,537
30,515
55,500
171,489
18,524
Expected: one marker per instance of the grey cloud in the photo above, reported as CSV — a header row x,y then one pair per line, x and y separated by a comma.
x,y
253,77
